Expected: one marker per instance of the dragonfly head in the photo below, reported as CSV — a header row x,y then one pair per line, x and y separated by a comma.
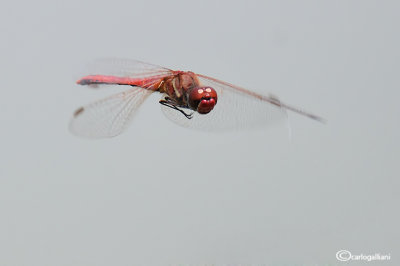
x,y
202,99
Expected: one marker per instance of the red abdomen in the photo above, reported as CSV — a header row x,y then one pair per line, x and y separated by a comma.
x,y
102,79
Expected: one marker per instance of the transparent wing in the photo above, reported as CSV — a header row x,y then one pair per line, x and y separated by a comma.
x,y
236,108
110,116
125,68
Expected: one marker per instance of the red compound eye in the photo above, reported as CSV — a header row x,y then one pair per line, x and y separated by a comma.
x,y
202,99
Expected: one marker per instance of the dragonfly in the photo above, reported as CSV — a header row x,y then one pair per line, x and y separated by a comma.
x,y
188,99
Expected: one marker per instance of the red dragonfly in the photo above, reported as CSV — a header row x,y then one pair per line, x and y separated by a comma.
x,y
188,99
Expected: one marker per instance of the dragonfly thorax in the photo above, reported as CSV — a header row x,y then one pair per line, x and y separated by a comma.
x,y
184,90
178,85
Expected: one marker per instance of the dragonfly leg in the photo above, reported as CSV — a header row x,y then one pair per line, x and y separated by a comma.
x,y
171,104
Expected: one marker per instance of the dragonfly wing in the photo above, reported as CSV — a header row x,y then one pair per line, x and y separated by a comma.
x,y
125,68
235,109
110,116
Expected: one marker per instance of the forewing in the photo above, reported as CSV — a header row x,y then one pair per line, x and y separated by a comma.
x,y
236,108
108,117
125,68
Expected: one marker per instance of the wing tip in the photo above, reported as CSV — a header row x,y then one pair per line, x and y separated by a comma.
x,y
78,112
319,119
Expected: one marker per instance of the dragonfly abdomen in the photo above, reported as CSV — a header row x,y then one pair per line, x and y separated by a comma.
x,y
114,80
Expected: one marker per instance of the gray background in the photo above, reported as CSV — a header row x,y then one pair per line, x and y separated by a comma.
x,y
164,195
